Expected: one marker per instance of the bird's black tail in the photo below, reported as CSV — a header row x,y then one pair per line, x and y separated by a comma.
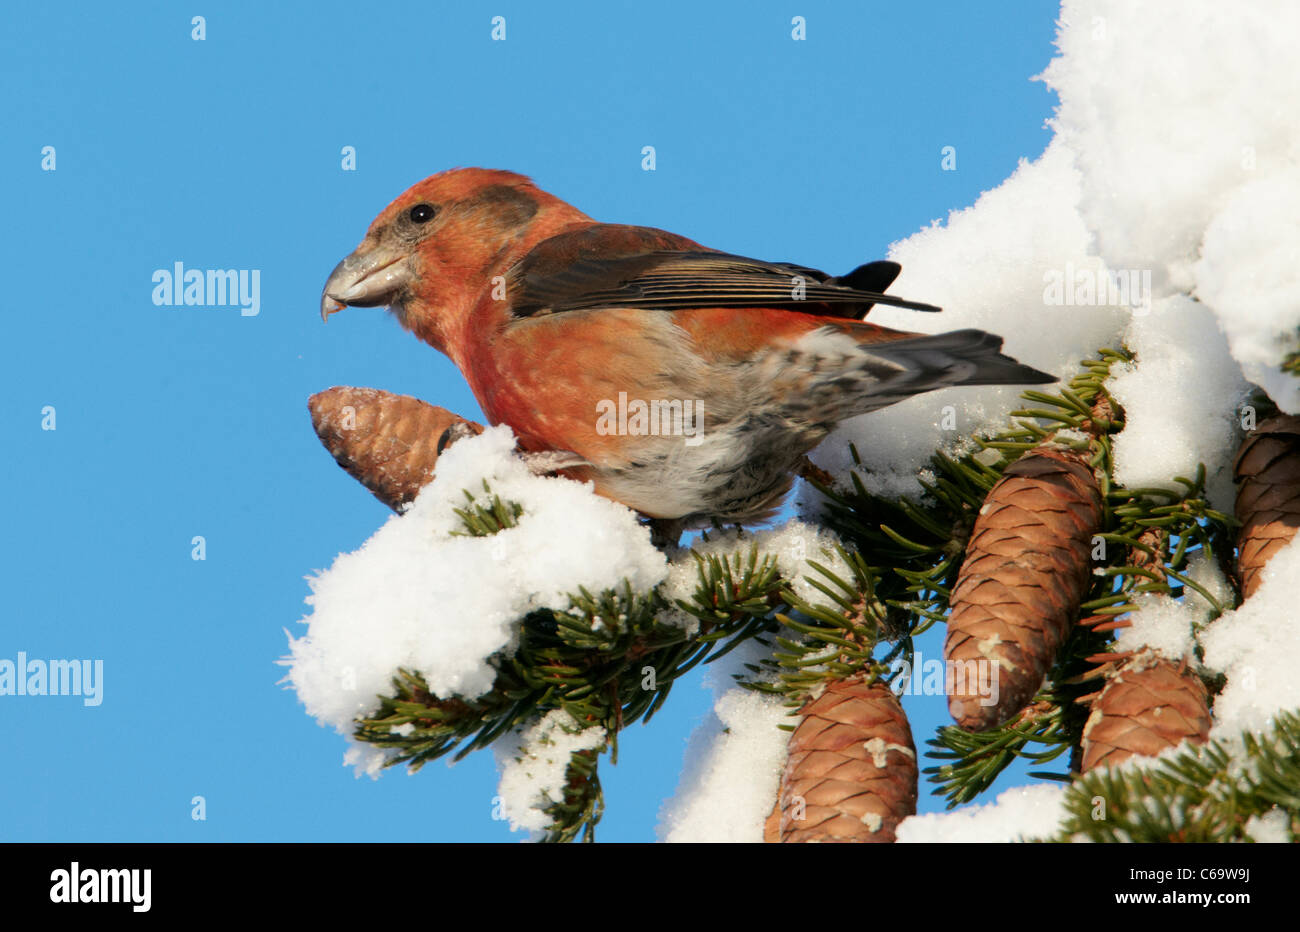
x,y
967,357
900,368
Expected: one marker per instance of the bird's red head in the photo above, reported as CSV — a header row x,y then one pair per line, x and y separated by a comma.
x,y
433,251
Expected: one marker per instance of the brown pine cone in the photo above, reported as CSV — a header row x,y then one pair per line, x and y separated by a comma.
x,y
1267,471
851,774
1154,562
1148,704
1028,566
390,443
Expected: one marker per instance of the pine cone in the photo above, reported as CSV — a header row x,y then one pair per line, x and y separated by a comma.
x,y
1268,496
1027,568
851,773
390,443
1158,541
1148,704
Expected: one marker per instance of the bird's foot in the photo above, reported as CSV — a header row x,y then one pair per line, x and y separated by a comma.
x,y
665,532
811,472
458,431
549,461
539,464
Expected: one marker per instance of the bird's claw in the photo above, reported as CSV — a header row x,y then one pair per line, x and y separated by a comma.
x,y
458,431
548,461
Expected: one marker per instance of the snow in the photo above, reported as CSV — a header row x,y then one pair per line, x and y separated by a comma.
x,y
1258,648
1167,626
793,544
1171,108
1273,827
1180,401
532,762
1162,624
1182,125
1247,273
417,596
1020,813
734,760
1205,572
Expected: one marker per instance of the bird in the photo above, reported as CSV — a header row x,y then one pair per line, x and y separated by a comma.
x,y
685,382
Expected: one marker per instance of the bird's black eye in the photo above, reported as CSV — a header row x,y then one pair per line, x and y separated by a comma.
x,y
422,213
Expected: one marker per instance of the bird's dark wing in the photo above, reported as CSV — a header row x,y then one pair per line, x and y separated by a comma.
x,y
608,265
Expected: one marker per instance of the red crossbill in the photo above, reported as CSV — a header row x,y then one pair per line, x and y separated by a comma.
x,y
688,383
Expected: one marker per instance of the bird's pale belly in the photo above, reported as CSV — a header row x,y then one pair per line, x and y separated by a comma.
x,y
739,473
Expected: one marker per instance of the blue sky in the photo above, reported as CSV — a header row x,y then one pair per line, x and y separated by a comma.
x,y
173,422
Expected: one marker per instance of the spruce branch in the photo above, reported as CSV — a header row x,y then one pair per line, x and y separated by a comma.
x,y
1205,793
607,659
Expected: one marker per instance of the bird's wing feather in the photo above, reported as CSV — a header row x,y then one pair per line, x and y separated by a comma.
x,y
608,265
